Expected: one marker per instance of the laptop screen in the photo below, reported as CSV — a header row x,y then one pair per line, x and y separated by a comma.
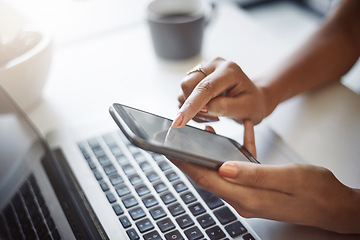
x,y
18,141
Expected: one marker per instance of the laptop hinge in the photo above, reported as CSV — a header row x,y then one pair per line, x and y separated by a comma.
x,y
78,211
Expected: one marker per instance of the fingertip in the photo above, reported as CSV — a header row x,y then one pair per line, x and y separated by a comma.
x,y
178,121
210,129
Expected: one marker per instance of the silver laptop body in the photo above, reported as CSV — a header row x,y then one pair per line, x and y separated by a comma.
x,y
93,184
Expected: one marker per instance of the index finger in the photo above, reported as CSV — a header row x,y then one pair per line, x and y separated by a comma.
x,y
207,89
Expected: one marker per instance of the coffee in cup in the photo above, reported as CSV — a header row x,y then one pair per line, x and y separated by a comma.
x,y
177,27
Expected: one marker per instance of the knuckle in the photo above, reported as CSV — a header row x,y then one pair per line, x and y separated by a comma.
x,y
206,86
256,176
185,86
218,59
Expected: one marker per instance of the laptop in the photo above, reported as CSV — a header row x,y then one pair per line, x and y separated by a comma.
x,y
99,186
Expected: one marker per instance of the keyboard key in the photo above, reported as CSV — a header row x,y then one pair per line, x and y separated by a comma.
x,y
116,179
248,237
144,225
215,233
111,198
132,234
122,160
145,166
99,152
128,169
142,190
133,149
42,230
167,198
154,235
45,211
117,209
165,225
135,179
235,229
205,221
93,143
176,209
83,151
125,222
188,197
91,165
139,157
172,176
194,233
130,202
55,234
137,213
152,176
149,201
109,169
174,235
158,157
50,223
104,186
164,166
116,150
210,199
104,160
184,221
180,186
122,190
160,187
157,213
196,209
97,175
224,215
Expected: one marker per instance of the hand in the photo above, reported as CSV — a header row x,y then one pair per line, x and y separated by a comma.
x,y
294,193
224,91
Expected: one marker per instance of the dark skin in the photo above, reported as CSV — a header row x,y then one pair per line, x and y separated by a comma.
x,y
294,193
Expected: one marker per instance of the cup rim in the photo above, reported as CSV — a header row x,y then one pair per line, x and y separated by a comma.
x,y
45,40
202,10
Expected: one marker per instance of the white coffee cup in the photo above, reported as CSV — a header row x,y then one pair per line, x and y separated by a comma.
x,y
25,59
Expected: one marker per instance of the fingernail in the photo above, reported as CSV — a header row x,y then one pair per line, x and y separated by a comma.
x,y
228,169
178,120
204,109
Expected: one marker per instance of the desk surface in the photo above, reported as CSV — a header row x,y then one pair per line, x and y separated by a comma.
x,y
120,66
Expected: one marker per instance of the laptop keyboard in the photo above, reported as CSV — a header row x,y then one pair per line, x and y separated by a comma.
x,y
153,199
27,216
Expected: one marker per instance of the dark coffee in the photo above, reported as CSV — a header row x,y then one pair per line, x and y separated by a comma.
x,y
177,18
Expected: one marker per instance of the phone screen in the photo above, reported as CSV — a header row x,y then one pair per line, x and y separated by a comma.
x,y
157,130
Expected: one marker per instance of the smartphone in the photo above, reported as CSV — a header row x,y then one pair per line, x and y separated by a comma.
x,y
154,133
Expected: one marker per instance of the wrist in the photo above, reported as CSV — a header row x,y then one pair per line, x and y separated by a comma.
x,y
355,212
270,98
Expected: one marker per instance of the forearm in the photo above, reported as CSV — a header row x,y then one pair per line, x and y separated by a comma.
x,y
322,59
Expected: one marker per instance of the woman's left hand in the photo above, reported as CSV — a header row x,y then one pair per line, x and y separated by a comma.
x,y
294,193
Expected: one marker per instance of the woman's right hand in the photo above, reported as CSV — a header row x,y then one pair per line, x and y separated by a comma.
x,y
224,90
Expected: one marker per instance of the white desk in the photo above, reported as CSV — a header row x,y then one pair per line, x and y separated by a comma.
x,y
120,66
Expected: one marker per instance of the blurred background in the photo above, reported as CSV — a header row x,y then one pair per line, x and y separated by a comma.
x,y
290,21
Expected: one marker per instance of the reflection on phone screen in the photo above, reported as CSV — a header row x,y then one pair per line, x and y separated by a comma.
x,y
198,142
